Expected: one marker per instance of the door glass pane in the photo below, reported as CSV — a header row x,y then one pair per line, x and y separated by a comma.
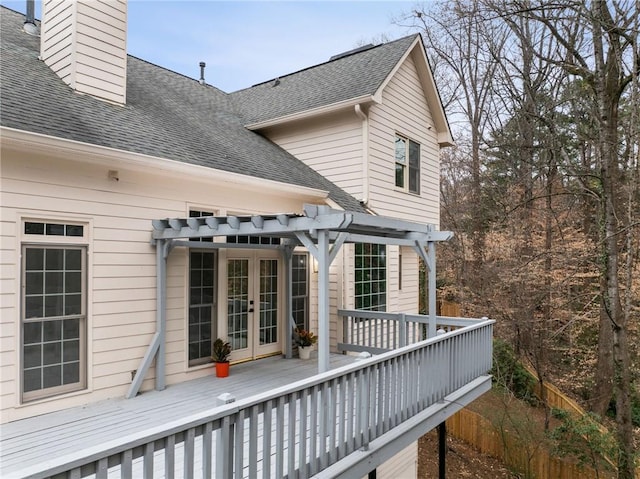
x,y
268,301
238,303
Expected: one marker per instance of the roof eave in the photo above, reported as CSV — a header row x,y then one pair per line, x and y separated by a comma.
x,y
26,141
314,112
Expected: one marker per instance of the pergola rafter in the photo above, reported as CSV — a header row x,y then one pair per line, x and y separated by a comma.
x,y
321,230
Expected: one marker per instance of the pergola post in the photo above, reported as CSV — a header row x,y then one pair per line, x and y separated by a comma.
x,y
162,251
323,301
431,254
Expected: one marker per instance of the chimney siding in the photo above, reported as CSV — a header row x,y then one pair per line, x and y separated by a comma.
x,y
84,43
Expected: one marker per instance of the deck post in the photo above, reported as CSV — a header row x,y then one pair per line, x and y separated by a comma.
x,y
224,451
431,281
442,450
323,301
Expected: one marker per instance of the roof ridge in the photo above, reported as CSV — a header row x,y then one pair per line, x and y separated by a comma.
x,y
335,58
168,70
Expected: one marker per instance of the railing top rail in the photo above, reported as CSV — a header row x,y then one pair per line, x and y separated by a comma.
x,y
418,318
86,456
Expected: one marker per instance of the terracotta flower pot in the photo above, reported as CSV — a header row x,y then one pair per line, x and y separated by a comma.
x,y
222,370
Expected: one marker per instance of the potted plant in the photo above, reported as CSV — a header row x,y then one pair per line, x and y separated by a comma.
x,y
221,352
305,341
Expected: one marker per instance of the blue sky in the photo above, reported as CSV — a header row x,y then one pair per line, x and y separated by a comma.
x,y
247,42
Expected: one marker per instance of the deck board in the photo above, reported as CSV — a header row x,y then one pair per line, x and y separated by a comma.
x,y
32,440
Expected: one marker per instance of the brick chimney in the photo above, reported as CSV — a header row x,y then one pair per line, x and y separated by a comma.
x,y
85,43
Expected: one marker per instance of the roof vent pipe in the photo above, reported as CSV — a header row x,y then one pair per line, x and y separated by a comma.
x,y
30,26
202,65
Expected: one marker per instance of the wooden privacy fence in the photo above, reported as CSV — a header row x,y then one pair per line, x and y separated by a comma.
x,y
501,444
557,400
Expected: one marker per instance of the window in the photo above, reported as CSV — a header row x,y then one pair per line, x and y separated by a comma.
x,y
202,300
407,164
268,240
371,277
200,214
53,311
300,290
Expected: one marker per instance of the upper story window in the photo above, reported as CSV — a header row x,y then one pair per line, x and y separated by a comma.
x,y
407,154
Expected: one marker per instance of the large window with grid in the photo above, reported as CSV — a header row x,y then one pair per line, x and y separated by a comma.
x,y
407,158
202,305
300,290
202,300
371,277
53,310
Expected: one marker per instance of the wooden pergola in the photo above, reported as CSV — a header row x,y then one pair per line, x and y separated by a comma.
x,y
321,230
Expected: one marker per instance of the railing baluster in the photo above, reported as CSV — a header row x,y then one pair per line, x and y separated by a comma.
x,y
314,414
302,434
148,461
280,437
342,417
324,457
238,445
188,454
291,434
207,447
352,415
266,440
253,442
103,468
331,419
380,399
126,468
169,457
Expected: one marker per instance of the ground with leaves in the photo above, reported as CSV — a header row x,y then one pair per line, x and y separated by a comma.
x,y
463,461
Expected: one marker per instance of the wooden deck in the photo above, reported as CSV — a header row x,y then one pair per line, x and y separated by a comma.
x,y
34,440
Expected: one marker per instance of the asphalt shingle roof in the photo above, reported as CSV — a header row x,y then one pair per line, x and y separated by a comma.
x,y
350,76
174,117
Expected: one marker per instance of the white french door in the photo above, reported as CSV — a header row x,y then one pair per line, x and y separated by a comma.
x,y
253,303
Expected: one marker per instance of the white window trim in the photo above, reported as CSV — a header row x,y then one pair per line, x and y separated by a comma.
x,y
84,242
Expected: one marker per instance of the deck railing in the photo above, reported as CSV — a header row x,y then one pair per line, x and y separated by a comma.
x,y
376,331
297,430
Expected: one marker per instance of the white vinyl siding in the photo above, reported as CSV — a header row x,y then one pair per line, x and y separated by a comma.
x,y
121,264
404,110
403,465
85,44
330,145
56,49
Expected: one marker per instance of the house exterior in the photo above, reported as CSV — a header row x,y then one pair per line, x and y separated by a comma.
x,y
144,214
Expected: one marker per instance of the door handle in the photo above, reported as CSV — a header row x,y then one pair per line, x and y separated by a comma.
x,y
251,306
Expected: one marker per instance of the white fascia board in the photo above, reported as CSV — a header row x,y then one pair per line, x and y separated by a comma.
x,y
25,141
429,87
322,110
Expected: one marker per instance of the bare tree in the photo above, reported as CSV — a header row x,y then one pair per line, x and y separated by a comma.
x,y
602,63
